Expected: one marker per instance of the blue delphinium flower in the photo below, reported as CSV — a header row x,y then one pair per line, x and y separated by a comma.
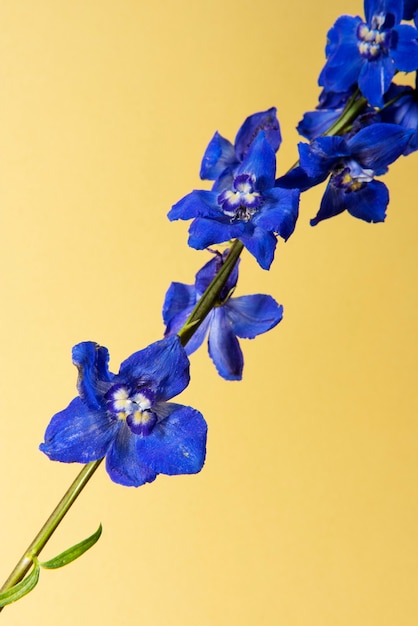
x,y
125,417
368,53
245,317
222,158
250,208
353,162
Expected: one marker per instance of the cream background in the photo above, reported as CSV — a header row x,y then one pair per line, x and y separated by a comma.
x,y
306,511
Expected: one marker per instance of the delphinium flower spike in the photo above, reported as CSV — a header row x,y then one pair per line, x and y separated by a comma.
x,y
127,418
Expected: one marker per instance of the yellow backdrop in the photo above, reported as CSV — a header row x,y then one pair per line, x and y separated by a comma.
x,y
306,510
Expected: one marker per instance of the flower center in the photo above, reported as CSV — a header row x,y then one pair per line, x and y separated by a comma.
x,y
241,202
350,176
134,407
373,42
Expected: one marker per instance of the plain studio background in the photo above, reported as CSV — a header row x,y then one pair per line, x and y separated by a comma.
x,y
306,511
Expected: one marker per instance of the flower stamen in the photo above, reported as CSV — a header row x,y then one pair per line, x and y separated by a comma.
x,y
241,202
133,408
372,41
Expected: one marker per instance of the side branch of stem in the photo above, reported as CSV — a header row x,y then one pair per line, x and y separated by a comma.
x,y
34,549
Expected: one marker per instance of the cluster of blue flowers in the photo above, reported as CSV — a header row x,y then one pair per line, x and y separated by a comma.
x,y
362,124
363,57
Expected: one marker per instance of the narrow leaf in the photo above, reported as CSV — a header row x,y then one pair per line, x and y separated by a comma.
x,y
22,588
74,552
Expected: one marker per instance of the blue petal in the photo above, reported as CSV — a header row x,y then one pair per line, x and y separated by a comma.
x,y
297,178
164,365
405,53
343,66
94,377
378,145
315,123
205,232
261,244
384,7
332,203
266,121
178,304
375,78
199,335
369,203
198,203
260,162
330,107
409,8
78,435
123,463
219,155
250,316
208,272
280,211
224,348
318,158
225,180
404,112
177,444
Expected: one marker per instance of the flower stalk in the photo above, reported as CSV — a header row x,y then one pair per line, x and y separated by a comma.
x,y
354,107
275,198
52,523
211,295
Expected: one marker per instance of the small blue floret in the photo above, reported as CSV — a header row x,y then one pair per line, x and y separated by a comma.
x,y
244,317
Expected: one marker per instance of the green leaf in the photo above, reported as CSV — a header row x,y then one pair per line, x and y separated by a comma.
x,y
22,588
73,553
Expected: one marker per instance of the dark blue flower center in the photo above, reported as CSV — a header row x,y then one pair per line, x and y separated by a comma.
x,y
374,40
133,407
242,201
350,176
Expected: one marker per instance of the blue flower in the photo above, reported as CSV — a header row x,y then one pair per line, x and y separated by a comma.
x,y
368,53
221,158
250,208
245,317
125,417
353,162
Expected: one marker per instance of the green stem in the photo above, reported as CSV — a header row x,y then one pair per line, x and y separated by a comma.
x,y
34,549
211,295
352,109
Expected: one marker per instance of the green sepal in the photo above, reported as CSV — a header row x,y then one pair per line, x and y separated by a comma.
x,y
188,328
72,553
22,588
